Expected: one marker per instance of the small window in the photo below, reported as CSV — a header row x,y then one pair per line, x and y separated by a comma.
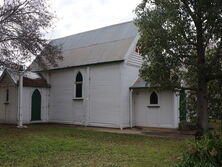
x,y
79,82
137,50
7,95
153,98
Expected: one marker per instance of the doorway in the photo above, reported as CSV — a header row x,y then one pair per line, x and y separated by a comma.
x,y
36,106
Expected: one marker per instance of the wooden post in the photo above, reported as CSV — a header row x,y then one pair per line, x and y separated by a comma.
x,y
131,107
20,105
87,118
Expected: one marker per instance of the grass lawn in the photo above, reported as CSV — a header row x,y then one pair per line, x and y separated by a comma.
x,y
61,146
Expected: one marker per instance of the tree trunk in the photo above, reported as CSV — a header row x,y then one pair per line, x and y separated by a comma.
x,y
202,108
202,102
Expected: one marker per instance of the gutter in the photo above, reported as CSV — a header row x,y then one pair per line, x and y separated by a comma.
x,y
84,65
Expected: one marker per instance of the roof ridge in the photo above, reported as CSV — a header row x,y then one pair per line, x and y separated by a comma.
x,y
95,44
109,26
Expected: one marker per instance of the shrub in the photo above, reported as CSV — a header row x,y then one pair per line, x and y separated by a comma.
x,y
206,152
183,125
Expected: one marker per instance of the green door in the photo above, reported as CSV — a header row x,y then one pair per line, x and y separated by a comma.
x,y
36,106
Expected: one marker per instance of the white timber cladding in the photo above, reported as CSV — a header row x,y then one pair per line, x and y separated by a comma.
x,y
161,115
8,109
176,108
109,65
27,104
132,57
129,76
62,103
105,95
100,105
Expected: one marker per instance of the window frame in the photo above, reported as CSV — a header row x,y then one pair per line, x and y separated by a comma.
x,y
152,96
158,101
7,96
78,82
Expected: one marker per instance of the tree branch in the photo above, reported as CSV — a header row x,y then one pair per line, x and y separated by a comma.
x,y
214,77
189,10
217,55
186,88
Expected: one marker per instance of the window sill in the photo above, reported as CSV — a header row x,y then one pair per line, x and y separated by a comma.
x,y
153,106
78,98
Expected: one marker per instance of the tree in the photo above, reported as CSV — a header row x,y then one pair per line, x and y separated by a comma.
x,y
215,99
180,41
22,27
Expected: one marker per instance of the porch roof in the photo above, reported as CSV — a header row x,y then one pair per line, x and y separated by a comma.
x,y
30,79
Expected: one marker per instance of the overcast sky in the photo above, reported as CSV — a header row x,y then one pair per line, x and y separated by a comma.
x,y
76,16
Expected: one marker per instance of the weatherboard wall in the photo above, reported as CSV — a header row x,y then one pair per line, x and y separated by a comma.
x,y
27,104
132,57
105,95
100,105
130,73
129,76
105,99
62,106
163,115
8,109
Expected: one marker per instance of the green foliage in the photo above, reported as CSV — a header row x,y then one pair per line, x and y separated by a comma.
x,y
206,152
181,45
184,125
162,43
183,106
215,98
214,101
169,33
191,106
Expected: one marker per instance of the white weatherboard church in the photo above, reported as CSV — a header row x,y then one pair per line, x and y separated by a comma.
x,y
96,84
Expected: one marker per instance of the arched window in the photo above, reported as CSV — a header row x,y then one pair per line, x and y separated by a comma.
x,y
7,95
36,105
79,82
153,98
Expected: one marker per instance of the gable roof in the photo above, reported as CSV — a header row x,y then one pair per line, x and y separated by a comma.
x,y
140,83
12,76
30,79
107,44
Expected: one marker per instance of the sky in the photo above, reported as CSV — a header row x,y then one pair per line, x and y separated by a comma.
x,y
75,16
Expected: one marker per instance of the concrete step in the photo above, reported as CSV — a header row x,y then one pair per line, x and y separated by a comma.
x,y
156,129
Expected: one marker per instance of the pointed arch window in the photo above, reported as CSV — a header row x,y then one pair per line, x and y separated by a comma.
x,y
7,95
79,83
153,98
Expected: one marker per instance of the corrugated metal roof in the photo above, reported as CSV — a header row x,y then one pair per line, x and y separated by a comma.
x,y
106,44
140,83
93,54
29,78
30,75
14,75
99,36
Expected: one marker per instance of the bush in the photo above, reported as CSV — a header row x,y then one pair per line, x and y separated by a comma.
x,y
183,125
206,152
